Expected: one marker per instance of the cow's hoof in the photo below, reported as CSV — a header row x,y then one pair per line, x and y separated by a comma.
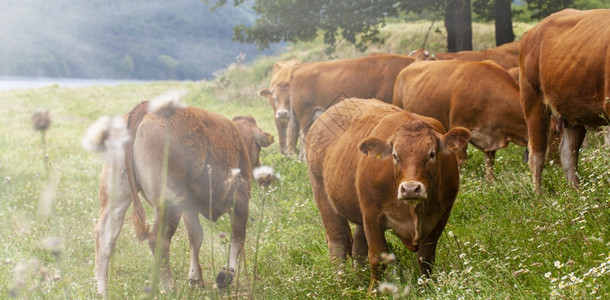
x,y
195,283
224,278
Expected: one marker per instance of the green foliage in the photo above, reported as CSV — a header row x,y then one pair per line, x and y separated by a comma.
x,y
357,22
502,240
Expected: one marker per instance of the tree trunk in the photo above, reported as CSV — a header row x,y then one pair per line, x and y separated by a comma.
x,y
504,22
458,23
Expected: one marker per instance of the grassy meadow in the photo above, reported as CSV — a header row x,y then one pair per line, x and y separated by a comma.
x,y
503,241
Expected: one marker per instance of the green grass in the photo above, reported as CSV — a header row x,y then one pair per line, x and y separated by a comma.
x,y
502,240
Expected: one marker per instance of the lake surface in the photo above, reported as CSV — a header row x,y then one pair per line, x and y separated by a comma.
x,y
13,83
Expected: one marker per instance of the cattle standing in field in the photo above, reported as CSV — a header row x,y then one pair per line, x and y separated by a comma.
x,y
315,87
506,55
380,167
205,152
278,94
479,96
565,73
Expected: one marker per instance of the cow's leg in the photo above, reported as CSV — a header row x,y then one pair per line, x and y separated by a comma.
x,y
338,232
573,136
490,158
377,244
238,235
292,134
538,120
426,253
114,205
360,248
170,222
281,126
195,236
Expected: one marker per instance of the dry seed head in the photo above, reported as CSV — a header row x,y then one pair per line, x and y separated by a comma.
x,y
107,135
41,120
264,175
388,258
167,104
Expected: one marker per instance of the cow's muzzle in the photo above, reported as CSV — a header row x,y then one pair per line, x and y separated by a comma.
x,y
412,192
282,114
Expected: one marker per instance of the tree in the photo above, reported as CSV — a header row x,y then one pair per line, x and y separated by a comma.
x,y
356,21
458,23
500,12
543,8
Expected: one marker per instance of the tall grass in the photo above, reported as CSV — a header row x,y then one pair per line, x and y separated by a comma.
x,y
502,239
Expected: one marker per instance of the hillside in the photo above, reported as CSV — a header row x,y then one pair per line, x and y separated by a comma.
x,y
136,39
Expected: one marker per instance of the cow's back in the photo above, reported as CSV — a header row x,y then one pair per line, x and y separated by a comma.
x,y
568,58
198,139
324,84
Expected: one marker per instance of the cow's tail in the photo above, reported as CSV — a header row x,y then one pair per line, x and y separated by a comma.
x,y
138,214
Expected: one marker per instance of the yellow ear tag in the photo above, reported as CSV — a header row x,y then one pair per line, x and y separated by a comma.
x,y
378,156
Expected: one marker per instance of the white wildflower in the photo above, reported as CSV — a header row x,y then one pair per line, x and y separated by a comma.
x,y
547,275
558,264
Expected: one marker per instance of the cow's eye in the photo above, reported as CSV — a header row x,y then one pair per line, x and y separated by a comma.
x,y
432,154
395,157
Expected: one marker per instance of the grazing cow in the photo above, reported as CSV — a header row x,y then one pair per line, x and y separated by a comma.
x,y
479,96
564,72
380,167
278,94
205,150
506,55
317,86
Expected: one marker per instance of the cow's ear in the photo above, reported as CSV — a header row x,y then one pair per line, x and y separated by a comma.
x,y
265,93
264,139
455,139
376,148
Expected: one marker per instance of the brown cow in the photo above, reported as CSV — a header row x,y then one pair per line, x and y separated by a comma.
x,y
480,96
317,86
278,94
514,73
405,178
205,150
565,72
506,55
254,138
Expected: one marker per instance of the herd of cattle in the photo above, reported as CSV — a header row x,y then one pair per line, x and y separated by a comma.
x,y
383,136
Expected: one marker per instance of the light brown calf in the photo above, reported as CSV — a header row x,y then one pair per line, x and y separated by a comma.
x,y
380,167
205,152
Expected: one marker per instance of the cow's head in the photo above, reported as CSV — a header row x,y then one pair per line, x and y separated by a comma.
x,y
422,54
279,98
254,137
415,150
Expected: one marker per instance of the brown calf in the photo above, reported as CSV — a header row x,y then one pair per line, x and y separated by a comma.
x,y
205,150
380,167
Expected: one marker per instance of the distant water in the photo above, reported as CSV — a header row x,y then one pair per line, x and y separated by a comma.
x,y
14,83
